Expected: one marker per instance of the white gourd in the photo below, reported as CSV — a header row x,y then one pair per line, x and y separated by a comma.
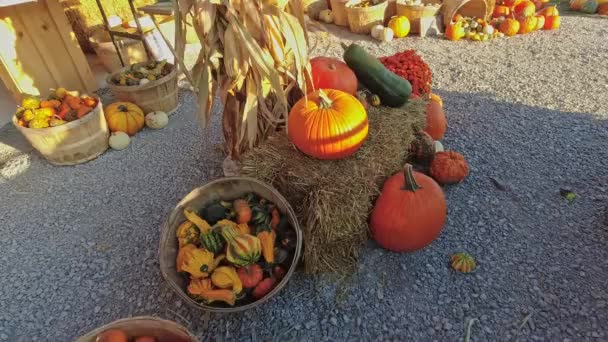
x,y
144,81
386,35
438,146
157,120
488,29
119,140
376,30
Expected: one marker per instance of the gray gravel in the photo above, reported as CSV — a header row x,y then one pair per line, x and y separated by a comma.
x,y
78,246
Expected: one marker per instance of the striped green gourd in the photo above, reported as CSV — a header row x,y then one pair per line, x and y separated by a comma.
x,y
212,241
243,249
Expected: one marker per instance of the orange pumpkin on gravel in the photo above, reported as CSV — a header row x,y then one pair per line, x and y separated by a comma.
x,y
409,213
552,23
525,9
328,124
527,25
124,117
509,27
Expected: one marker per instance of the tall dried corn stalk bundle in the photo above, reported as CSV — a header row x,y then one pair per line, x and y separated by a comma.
x,y
254,53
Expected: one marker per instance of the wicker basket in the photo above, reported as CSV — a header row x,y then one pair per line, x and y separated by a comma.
x,y
223,188
163,330
338,9
362,19
73,143
415,12
153,96
468,8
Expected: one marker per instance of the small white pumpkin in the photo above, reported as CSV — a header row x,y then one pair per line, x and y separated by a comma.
x,y
157,120
376,30
386,35
488,29
438,146
119,140
326,16
144,81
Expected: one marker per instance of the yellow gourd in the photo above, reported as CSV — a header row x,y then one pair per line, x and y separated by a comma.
x,y
400,26
225,277
203,289
199,262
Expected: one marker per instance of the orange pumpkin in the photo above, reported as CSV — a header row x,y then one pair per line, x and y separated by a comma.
x,y
328,124
124,117
550,11
602,9
435,120
454,31
449,167
509,27
501,11
552,23
409,213
525,9
527,25
540,22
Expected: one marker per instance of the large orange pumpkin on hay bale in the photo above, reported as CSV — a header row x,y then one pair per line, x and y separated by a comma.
x,y
553,22
328,124
410,212
509,27
527,25
124,117
525,9
436,123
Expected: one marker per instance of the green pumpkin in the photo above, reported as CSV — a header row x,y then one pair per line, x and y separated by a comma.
x,y
212,241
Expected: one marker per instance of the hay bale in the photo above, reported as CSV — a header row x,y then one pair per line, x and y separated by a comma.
x,y
332,199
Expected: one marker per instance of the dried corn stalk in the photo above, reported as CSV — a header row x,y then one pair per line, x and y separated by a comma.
x,y
254,53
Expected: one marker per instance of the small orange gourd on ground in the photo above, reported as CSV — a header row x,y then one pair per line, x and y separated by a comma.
x,y
527,25
124,117
436,123
525,9
449,167
509,27
328,124
409,213
552,23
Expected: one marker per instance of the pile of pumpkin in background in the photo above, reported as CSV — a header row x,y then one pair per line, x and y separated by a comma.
x,y
235,252
510,17
590,6
61,107
125,119
142,73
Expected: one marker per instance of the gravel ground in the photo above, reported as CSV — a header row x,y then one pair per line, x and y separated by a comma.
x,y
78,247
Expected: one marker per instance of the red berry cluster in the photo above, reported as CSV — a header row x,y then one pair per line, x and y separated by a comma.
x,y
410,66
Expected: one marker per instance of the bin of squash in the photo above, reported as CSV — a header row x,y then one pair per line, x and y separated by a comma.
x,y
66,129
139,329
230,245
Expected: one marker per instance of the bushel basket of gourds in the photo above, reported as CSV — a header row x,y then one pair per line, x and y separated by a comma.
x,y
230,245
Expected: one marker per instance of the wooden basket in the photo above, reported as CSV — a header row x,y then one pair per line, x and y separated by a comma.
x,y
153,96
391,10
223,188
163,330
72,143
415,13
362,19
338,9
467,8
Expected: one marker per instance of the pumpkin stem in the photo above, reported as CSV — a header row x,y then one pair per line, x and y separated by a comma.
x,y
410,181
122,108
326,102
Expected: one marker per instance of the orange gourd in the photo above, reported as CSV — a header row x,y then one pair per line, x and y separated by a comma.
x,y
552,23
454,31
50,104
436,123
409,213
509,27
501,11
328,124
449,167
527,25
550,11
73,101
124,117
242,211
525,9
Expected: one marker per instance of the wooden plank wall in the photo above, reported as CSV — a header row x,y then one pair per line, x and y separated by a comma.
x,y
41,51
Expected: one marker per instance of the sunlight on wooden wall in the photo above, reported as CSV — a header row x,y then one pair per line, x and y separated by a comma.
x,y
11,66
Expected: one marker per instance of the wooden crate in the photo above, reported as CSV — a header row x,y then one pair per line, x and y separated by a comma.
x,y
39,51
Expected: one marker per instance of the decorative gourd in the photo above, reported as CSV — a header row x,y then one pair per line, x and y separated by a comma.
x,y
602,9
326,16
386,35
263,288
527,25
330,73
436,123
242,249
436,98
449,167
488,29
552,23
550,11
157,120
199,262
362,97
278,272
267,238
243,228
182,254
540,22
422,148
375,100
275,218
511,3
50,104
509,27
203,289
590,7
124,117
394,91
328,124
250,275
463,262
576,5
400,26
409,213
212,241
525,9
454,31
119,140
501,11
202,225
438,146
376,30
242,211
225,277
213,213
187,233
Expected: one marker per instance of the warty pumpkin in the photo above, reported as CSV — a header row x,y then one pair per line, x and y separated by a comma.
x,y
449,167
436,123
124,117
328,124
409,213
509,27
331,73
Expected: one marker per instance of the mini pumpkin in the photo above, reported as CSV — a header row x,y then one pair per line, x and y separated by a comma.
x,y
400,26
124,117
436,123
449,167
119,140
157,119
509,27
525,9
250,275
552,23
463,262
263,288
375,101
